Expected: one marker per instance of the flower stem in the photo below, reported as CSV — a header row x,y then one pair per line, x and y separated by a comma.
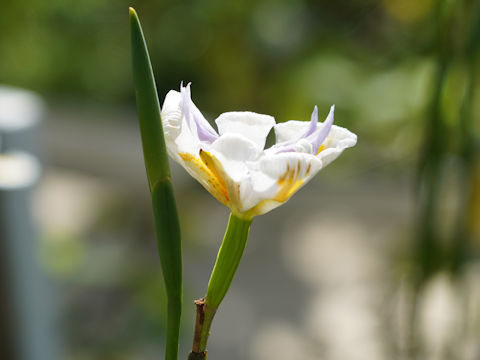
x,y
228,259
226,265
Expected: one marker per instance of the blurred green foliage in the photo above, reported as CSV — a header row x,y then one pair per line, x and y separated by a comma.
x,y
263,55
372,58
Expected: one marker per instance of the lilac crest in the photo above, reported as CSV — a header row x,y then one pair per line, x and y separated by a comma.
x,y
318,138
195,120
313,134
313,123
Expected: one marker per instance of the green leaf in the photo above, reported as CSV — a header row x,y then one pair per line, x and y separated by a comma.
x,y
148,107
158,172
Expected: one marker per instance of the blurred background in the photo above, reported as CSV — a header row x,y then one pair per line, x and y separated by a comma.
x,y
377,258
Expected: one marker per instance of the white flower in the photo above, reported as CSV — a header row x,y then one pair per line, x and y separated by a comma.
x,y
233,164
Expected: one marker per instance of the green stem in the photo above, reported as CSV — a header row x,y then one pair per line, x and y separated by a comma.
x,y
228,259
226,265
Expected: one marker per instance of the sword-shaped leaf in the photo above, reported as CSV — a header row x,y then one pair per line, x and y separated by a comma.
x,y
158,172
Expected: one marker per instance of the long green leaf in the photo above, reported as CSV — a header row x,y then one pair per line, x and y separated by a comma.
x,y
158,173
148,107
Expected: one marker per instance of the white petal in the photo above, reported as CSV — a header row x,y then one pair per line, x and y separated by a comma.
x,y
275,178
249,124
178,137
338,140
236,147
300,166
290,130
233,151
172,115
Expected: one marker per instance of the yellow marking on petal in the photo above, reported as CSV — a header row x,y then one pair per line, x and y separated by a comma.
x,y
287,190
216,184
283,177
288,183
320,149
211,163
309,167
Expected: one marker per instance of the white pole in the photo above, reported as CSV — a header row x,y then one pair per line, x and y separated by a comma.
x,y
26,306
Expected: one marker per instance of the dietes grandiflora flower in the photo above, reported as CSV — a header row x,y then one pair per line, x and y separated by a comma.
x,y
233,164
